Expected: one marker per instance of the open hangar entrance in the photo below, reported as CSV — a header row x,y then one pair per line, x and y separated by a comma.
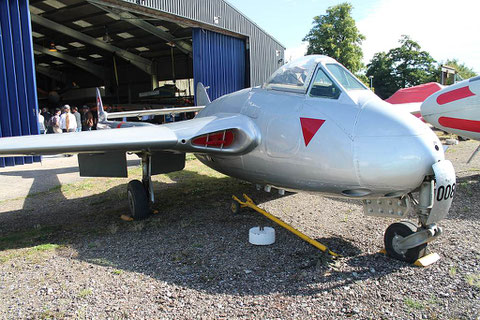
x,y
137,59
134,50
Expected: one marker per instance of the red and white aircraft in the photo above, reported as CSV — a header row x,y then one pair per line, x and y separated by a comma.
x,y
456,109
410,99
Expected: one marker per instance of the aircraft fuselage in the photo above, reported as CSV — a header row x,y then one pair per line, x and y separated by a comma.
x,y
356,145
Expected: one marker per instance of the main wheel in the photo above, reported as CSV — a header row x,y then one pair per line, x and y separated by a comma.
x,y
137,200
397,231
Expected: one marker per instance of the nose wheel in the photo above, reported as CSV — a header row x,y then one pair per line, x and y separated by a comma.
x,y
395,235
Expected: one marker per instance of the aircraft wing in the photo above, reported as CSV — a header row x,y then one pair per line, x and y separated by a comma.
x,y
152,112
220,134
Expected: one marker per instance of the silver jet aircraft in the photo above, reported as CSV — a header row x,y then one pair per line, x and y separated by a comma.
x,y
311,127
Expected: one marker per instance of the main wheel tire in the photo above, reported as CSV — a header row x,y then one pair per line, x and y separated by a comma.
x,y
137,200
397,231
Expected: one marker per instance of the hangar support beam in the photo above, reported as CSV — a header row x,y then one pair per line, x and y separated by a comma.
x,y
53,74
140,62
92,68
150,28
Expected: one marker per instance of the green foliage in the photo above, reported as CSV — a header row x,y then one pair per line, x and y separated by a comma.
x,y
336,35
402,67
473,280
362,77
85,293
413,304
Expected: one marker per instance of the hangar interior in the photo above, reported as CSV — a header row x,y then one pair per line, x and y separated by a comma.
x,y
142,53
80,45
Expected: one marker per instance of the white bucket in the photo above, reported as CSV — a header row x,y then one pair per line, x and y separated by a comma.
x,y
261,236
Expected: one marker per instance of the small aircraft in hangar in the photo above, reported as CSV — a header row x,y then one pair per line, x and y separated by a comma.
x,y
456,109
311,127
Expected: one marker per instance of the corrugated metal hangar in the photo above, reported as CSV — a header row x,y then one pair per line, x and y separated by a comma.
x,y
144,53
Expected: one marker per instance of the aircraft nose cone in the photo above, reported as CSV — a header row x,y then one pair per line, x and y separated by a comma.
x,y
393,150
428,109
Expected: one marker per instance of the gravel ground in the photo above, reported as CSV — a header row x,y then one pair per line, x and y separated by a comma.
x,y
66,254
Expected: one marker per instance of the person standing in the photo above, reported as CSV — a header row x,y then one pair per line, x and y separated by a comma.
x,y
78,118
55,122
87,119
68,123
41,123
46,116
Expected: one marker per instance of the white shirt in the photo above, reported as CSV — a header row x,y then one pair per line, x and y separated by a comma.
x,y
41,124
72,121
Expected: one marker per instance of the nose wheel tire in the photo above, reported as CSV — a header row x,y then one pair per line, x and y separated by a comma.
x,y
396,232
137,200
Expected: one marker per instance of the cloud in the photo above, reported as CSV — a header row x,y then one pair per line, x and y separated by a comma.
x,y
445,29
296,52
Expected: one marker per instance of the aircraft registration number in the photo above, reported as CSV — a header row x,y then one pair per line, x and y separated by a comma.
x,y
445,183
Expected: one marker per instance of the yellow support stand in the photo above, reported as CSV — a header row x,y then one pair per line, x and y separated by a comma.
x,y
424,261
427,260
250,204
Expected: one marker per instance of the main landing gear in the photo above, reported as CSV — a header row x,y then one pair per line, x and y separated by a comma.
x,y
140,193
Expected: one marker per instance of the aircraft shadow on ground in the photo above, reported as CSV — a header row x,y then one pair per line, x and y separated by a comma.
x,y
194,241
40,184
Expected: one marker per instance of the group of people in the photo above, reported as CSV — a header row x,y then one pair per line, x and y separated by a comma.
x,y
66,120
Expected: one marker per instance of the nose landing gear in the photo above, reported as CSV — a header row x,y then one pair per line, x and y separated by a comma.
x,y
395,234
404,240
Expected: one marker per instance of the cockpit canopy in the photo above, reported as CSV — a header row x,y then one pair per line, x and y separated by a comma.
x,y
297,75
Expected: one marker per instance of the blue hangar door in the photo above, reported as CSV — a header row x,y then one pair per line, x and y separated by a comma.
x,y
218,62
18,95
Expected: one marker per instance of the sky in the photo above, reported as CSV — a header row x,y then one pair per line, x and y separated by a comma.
x,y
445,29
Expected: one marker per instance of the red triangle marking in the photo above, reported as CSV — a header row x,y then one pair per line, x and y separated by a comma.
x,y
309,128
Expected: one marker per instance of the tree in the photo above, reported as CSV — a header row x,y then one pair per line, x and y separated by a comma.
x,y
402,67
380,69
336,35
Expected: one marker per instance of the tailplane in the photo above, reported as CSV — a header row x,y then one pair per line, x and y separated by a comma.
x,y
202,95
102,115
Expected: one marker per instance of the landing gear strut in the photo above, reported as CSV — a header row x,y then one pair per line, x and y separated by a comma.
x,y
404,240
140,193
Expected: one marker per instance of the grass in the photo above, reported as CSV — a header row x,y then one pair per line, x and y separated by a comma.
x,y
466,186
33,254
196,179
413,304
49,314
85,293
26,238
45,247
452,272
473,280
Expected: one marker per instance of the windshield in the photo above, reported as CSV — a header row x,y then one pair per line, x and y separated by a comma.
x,y
345,78
323,87
294,76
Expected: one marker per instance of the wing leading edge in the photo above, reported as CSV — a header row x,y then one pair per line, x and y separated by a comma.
x,y
154,112
180,136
